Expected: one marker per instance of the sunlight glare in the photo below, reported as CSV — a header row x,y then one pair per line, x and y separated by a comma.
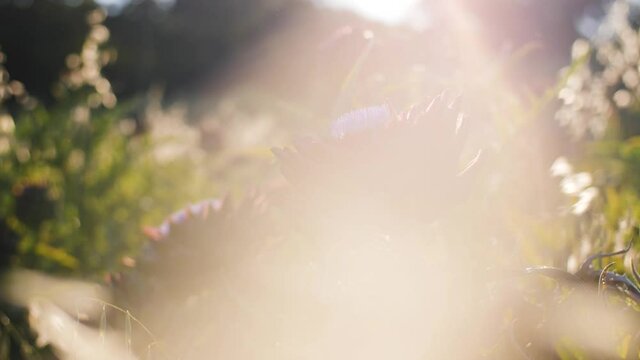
x,y
391,12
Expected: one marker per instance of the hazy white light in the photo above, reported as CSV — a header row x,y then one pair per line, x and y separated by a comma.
x,y
391,12
574,184
561,167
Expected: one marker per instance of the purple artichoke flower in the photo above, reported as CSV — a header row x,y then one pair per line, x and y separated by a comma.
x,y
379,168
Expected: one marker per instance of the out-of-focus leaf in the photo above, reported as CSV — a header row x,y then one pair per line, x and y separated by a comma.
x,y
58,255
614,208
5,344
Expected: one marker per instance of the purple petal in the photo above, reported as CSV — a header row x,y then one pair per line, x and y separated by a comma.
x,y
360,120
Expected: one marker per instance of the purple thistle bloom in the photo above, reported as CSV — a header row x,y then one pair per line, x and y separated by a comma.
x,y
197,209
164,229
216,204
179,216
361,120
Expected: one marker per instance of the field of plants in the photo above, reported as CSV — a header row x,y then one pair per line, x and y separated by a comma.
x,y
273,179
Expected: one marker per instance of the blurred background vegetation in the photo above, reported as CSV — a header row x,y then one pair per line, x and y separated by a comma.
x,y
113,114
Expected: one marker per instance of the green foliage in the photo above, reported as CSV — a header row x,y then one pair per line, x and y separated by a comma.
x,y
80,177
80,185
88,181
79,181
